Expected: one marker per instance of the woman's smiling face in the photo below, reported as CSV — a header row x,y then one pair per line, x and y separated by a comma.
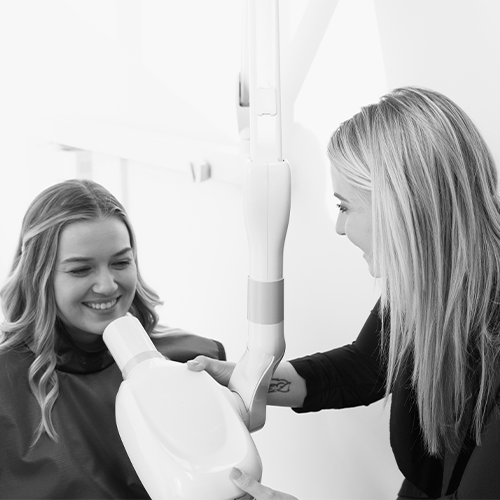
x,y
355,217
95,277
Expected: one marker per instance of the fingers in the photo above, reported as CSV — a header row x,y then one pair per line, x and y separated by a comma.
x,y
219,370
200,363
248,484
260,492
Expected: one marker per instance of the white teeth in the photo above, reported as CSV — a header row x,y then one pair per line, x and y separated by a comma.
x,y
101,305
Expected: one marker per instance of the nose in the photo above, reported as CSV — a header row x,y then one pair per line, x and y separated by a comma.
x,y
340,225
105,283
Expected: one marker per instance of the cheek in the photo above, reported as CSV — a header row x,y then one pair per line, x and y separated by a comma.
x,y
67,292
359,233
129,280
352,231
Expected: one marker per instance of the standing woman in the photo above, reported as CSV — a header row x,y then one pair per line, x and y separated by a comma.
x,y
75,270
418,191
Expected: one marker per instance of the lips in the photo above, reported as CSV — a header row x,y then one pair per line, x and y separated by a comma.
x,y
101,305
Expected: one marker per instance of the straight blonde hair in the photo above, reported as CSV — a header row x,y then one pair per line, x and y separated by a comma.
x,y
436,246
28,299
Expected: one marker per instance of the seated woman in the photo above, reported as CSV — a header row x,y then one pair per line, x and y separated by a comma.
x,y
75,270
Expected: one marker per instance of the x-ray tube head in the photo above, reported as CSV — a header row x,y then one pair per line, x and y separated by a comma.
x,y
182,430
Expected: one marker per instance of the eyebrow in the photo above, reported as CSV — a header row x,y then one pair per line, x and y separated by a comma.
x,y
340,197
88,259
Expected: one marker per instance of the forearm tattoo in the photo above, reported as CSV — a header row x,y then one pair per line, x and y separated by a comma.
x,y
279,385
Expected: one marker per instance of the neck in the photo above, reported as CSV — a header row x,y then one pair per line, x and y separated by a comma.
x,y
81,352
86,341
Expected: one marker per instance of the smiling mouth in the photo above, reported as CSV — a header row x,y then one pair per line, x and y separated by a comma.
x,y
101,306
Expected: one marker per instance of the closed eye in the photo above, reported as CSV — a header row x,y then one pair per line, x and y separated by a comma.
x,y
341,207
122,264
80,271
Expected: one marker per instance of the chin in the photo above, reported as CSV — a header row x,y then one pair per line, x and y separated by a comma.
x,y
371,268
97,321
373,271
98,327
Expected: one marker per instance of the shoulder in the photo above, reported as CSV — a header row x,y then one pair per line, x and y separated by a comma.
x,y
15,396
14,361
178,345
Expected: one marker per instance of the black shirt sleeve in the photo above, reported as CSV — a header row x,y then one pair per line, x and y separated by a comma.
x,y
348,376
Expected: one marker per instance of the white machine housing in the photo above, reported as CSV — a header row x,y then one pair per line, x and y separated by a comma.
x,y
181,429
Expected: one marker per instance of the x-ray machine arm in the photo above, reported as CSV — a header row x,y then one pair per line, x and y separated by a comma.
x,y
266,198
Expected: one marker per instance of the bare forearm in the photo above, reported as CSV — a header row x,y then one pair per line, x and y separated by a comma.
x,y
287,387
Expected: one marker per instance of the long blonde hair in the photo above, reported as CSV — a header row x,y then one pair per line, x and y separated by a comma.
x,y
436,246
28,300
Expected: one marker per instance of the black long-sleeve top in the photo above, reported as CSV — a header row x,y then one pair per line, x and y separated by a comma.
x,y
355,375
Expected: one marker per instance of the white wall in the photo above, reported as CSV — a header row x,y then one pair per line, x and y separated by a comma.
x,y
70,56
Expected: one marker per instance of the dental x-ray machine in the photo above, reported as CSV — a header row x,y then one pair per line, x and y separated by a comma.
x,y
183,431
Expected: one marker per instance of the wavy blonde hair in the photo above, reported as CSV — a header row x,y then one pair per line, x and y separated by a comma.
x,y
28,299
436,246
